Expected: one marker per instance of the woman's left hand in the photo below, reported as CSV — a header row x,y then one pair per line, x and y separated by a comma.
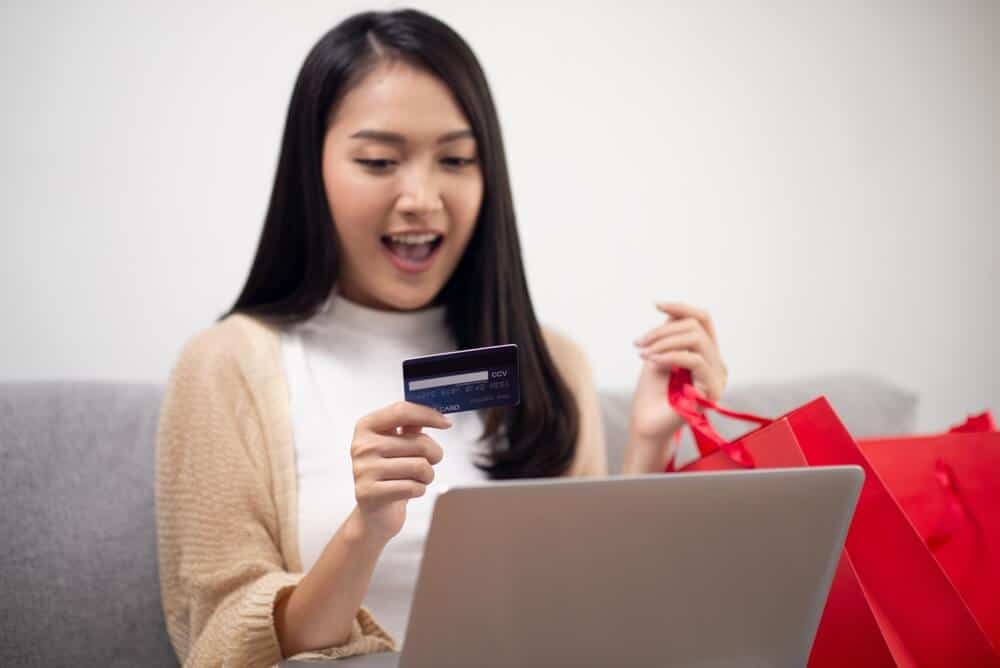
x,y
686,340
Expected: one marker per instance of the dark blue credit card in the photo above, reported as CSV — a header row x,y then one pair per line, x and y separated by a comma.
x,y
464,380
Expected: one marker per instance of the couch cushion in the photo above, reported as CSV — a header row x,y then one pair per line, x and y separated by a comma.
x,y
868,406
79,533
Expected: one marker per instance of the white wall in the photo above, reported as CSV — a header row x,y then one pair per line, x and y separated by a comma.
x,y
823,179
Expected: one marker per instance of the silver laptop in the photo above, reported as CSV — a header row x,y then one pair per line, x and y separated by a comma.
x,y
697,569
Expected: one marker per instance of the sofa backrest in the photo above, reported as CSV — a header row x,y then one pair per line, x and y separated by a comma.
x,y
80,586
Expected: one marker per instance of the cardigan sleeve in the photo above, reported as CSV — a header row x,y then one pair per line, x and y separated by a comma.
x,y
220,566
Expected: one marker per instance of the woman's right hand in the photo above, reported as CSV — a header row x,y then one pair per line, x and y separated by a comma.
x,y
393,463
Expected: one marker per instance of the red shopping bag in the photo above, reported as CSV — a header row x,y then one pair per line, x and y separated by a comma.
x,y
890,604
948,484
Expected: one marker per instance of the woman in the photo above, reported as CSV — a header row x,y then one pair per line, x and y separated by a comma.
x,y
291,484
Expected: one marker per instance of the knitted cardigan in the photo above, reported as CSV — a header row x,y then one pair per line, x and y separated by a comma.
x,y
226,496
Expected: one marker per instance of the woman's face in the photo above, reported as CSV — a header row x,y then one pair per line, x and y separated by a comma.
x,y
404,184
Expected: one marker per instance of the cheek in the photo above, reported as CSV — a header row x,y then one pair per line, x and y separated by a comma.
x,y
357,204
465,204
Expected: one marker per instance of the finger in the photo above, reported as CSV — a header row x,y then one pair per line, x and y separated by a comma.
x,y
403,468
694,339
404,414
385,491
389,447
412,445
699,367
680,310
684,359
668,329
695,342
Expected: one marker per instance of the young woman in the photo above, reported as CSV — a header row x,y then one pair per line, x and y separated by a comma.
x,y
291,482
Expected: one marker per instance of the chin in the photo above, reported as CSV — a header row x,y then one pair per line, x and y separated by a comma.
x,y
410,300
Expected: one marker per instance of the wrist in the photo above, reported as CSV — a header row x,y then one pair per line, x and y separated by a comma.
x,y
645,454
358,534
655,435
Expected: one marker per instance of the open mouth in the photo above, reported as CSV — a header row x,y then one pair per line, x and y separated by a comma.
x,y
412,250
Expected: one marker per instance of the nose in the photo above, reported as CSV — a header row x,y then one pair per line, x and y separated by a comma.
x,y
420,195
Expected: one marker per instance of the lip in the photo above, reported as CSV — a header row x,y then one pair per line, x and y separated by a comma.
x,y
409,266
415,230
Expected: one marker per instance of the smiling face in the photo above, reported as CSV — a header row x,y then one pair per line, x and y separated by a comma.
x,y
404,184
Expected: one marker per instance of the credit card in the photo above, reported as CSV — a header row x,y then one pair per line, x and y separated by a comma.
x,y
464,380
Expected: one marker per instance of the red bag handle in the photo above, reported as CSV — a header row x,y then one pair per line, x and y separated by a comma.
x,y
690,404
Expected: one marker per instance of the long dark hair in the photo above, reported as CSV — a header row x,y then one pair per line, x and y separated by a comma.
x,y
486,298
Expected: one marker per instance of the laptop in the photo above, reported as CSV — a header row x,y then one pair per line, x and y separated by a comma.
x,y
698,569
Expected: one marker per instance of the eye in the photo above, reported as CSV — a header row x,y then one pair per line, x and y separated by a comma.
x,y
458,162
377,165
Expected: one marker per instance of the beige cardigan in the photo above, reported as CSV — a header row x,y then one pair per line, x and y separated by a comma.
x,y
226,497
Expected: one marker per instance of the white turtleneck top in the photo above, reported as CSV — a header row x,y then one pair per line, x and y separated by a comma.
x,y
342,364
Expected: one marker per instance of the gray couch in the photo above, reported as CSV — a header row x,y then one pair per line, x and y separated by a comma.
x,y
78,560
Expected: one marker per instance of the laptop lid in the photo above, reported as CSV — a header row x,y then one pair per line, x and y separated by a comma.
x,y
700,569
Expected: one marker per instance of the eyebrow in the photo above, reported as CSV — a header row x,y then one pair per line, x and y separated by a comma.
x,y
396,138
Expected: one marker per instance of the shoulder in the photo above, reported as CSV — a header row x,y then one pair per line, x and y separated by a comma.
x,y
568,355
591,452
237,343
223,383
236,339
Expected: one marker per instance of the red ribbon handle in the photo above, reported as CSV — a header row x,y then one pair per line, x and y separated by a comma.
x,y
690,404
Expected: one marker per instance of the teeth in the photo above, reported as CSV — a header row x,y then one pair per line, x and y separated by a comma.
x,y
413,239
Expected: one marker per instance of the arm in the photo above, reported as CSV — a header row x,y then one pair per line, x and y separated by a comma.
x,y
308,618
392,461
221,570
